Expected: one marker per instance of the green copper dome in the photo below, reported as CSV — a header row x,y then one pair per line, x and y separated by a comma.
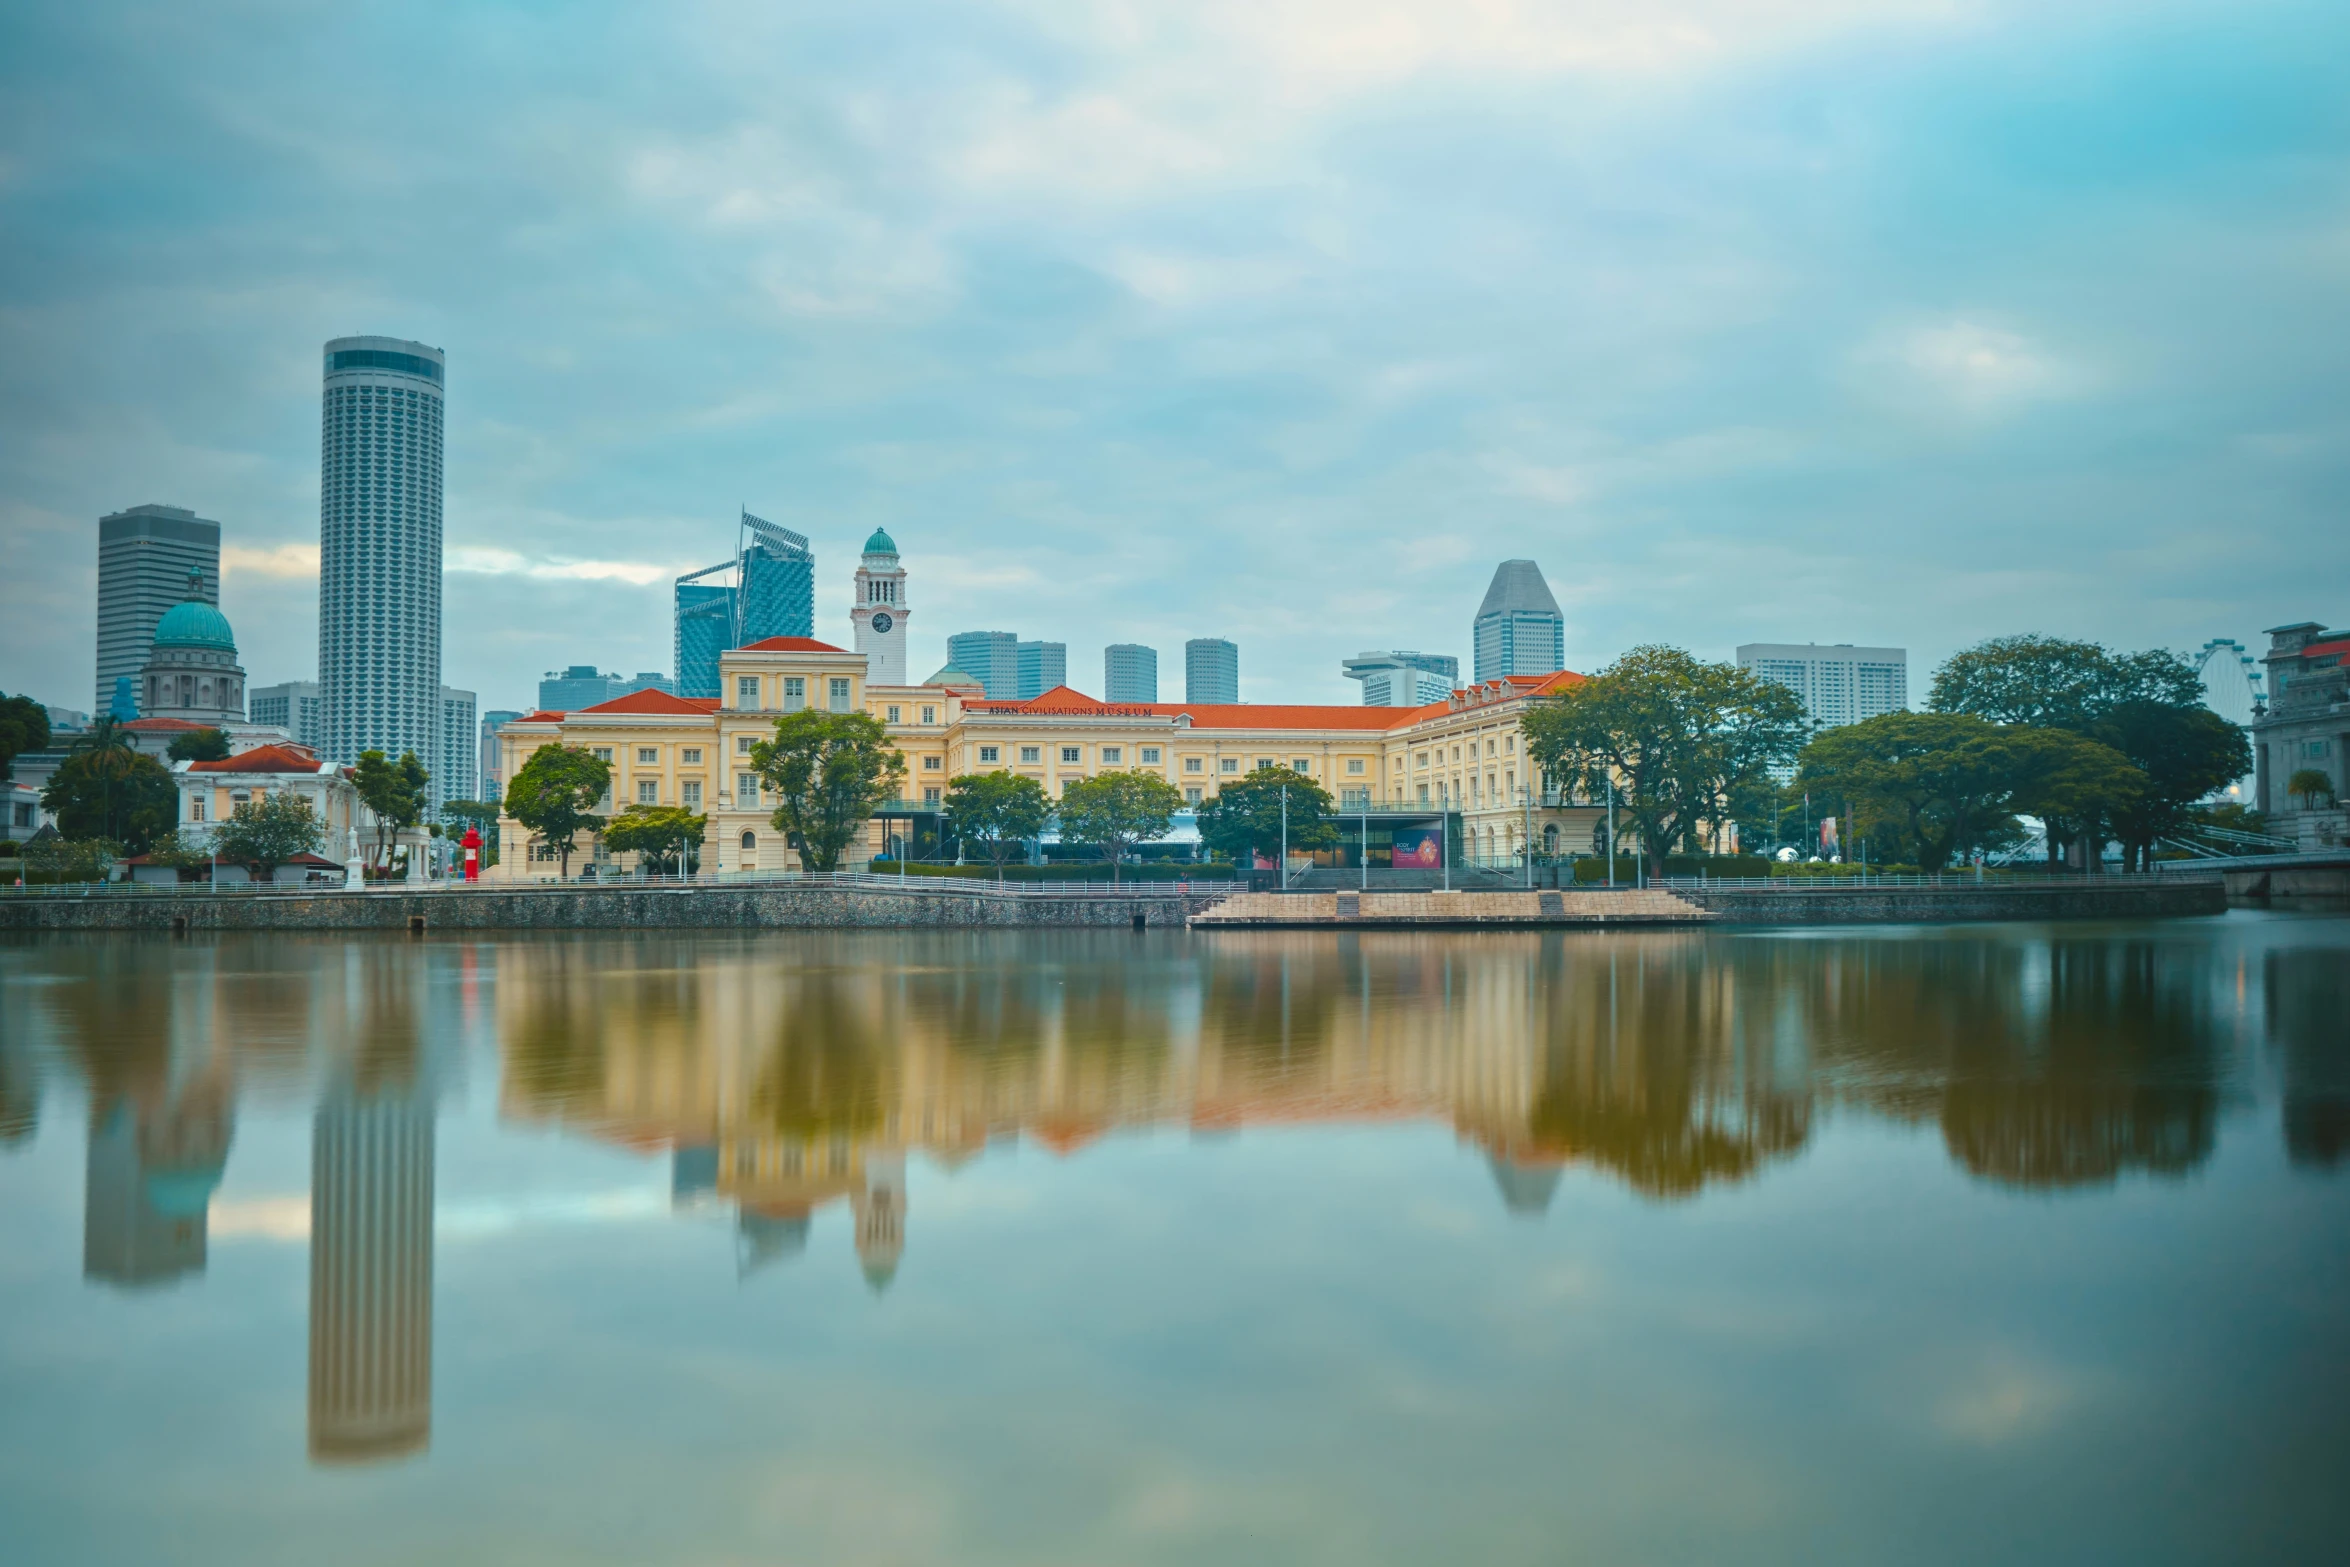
x,y
881,543
195,624
951,676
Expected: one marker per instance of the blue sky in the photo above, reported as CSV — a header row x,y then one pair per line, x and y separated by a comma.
x,y
1283,320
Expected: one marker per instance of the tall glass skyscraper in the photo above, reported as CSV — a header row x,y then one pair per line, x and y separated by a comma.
x,y
990,657
1211,670
705,611
767,590
379,550
1519,630
1041,666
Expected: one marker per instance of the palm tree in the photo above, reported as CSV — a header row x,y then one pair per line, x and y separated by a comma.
x,y
105,737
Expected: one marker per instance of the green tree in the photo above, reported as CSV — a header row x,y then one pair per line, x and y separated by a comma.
x,y
2070,782
1942,781
1245,817
1117,810
2184,752
199,745
662,837
178,851
394,792
1680,738
2311,787
57,858
554,795
24,726
996,811
2051,683
115,794
267,832
830,772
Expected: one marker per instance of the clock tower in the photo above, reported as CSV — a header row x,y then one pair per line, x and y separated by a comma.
x,y
880,611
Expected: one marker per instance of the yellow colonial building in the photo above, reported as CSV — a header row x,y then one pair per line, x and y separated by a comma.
x,y
1457,766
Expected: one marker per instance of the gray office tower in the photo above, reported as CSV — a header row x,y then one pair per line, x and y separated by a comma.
x,y
584,685
1403,679
1842,684
296,706
492,774
1130,673
1519,630
145,558
1041,666
458,777
379,551
990,657
1211,670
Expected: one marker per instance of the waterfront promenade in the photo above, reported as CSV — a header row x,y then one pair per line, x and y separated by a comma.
x,y
865,901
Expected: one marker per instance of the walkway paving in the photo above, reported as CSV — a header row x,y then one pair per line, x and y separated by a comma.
x,y
1345,909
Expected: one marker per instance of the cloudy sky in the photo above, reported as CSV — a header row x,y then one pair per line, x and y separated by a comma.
x,y
1913,321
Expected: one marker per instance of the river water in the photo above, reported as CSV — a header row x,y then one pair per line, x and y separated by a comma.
x,y
2005,1243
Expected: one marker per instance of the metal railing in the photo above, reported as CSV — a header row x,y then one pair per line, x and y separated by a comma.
x,y
2008,881
958,886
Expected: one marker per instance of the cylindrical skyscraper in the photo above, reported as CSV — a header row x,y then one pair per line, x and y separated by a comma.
x,y
379,549
371,1198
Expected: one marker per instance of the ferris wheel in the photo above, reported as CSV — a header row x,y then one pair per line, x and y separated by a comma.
x,y
2231,680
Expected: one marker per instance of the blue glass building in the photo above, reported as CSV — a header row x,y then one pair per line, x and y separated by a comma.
x,y
772,594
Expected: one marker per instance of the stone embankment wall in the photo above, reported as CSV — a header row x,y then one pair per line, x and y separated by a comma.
x,y
605,908
2131,899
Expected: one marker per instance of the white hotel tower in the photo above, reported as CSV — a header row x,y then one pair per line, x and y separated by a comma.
x,y
379,551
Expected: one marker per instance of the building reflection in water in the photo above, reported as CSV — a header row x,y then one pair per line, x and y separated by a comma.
x,y
371,1197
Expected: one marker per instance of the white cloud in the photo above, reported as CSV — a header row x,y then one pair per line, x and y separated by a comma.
x,y
482,560
1976,366
279,560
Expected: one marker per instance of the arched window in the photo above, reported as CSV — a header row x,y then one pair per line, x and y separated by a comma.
x,y
750,843
1550,839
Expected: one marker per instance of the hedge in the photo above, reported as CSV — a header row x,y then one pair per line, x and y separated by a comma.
x,y
1595,869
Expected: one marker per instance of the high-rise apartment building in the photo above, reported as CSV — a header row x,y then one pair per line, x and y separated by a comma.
x,y
1211,670
1040,667
1839,684
584,685
1130,673
145,556
1404,679
379,549
296,706
990,657
879,611
492,721
1518,630
459,776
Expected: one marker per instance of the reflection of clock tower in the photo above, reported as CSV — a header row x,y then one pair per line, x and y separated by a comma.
x,y
880,612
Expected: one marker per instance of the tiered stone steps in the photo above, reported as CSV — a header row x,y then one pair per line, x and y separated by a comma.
x,y
1357,909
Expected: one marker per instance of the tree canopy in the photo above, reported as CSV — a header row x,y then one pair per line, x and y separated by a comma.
x,y
199,745
2310,786
994,812
554,794
1943,782
2183,754
2052,683
1117,810
662,837
1678,736
267,832
24,726
830,772
113,793
1244,819
394,791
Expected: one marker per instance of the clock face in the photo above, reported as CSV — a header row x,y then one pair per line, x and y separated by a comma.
x,y
882,623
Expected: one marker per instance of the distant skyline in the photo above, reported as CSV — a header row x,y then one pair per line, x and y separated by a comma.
x,y
1900,323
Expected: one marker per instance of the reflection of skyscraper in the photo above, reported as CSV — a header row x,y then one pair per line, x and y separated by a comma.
x,y
881,1217
147,1194
1526,1189
371,1196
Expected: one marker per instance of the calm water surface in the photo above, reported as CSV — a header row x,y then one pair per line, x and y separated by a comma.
x,y
2010,1243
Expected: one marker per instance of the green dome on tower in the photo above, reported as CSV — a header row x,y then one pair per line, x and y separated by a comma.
x,y
195,624
881,543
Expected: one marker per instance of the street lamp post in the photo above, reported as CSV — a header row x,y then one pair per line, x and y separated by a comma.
x,y
1285,837
1611,832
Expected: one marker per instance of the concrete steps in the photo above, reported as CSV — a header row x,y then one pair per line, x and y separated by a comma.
x,y
1545,907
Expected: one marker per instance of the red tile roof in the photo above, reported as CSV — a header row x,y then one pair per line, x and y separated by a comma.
x,y
163,725
263,759
790,645
649,701
1265,715
2321,649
